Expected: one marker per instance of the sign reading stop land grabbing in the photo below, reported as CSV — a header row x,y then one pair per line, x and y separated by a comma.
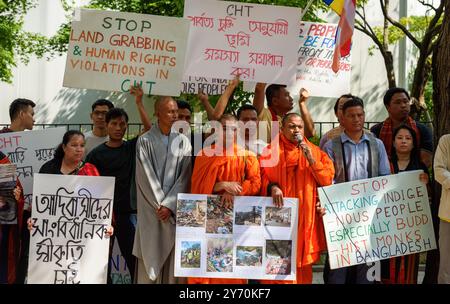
x,y
257,42
375,219
315,56
113,50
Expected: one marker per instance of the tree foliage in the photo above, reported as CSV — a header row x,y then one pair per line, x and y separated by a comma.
x,y
15,43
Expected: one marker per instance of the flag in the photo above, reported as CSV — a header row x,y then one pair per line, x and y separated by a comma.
x,y
335,5
346,9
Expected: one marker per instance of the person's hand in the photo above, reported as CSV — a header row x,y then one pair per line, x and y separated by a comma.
x,y
30,223
423,177
234,83
109,231
260,86
17,192
203,97
233,188
307,152
320,211
163,213
226,200
277,196
304,95
137,92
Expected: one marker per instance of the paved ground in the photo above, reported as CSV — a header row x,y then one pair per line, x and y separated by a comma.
x,y
318,275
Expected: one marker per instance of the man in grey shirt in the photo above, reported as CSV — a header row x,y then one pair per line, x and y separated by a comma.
x,y
99,133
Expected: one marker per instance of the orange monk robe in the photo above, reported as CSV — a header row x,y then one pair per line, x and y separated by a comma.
x,y
209,170
295,177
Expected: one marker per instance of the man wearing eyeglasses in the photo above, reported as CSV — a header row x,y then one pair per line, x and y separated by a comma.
x,y
99,133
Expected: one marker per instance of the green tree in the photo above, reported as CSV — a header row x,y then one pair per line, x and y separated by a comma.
x,y
422,31
15,43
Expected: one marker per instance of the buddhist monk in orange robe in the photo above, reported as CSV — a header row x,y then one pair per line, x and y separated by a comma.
x,y
300,169
227,169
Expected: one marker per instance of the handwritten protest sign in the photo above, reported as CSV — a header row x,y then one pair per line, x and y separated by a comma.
x,y
8,204
119,269
68,243
252,240
315,55
376,219
257,42
29,150
113,50
209,86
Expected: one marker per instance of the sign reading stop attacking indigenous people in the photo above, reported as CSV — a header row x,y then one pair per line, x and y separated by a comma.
x,y
68,244
257,42
29,150
113,50
375,219
315,55
251,240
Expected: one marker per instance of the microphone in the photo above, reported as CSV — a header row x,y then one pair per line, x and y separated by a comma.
x,y
299,139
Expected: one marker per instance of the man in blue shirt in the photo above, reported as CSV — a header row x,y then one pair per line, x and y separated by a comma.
x,y
356,155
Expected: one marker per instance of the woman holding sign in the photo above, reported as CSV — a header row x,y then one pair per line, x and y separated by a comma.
x,y
9,233
68,158
405,157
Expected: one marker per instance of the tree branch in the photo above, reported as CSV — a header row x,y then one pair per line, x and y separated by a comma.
x,y
436,17
368,29
433,44
399,25
427,4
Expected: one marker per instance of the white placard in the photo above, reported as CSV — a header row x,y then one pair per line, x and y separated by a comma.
x,y
258,42
29,150
209,86
113,50
68,243
120,274
253,240
379,218
315,56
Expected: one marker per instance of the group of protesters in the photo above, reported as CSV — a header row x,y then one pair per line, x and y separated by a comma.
x,y
258,151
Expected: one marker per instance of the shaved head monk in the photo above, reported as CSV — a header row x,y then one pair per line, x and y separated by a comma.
x,y
301,168
231,171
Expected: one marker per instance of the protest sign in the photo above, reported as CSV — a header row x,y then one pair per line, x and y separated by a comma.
x,y
375,219
70,214
120,273
253,239
29,150
209,86
315,55
113,50
257,42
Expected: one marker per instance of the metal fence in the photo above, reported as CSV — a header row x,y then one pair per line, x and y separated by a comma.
x,y
135,128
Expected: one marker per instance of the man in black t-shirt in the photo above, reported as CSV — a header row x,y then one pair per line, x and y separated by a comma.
x,y
117,158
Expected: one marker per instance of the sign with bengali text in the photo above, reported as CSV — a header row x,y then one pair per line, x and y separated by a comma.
x,y
68,243
29,150
257,42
